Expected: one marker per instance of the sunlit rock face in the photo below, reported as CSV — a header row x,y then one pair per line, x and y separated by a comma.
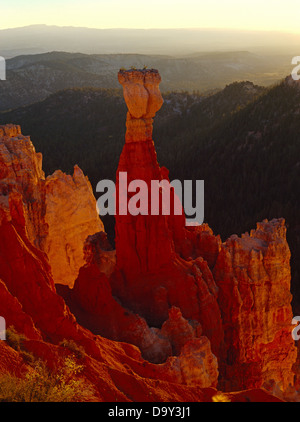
x,y
143,99
154,275
71,216
21,175
59,211
240,287
253,275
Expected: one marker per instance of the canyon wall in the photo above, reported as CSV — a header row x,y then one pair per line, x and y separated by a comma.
x,y
253,275
173,312
59,210
237,291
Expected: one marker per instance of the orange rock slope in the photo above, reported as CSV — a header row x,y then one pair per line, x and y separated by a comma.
x,y
60,210
171,314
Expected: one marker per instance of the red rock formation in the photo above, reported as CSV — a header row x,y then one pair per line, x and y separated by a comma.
x,y
92,302
60,211
15,316
177,292
164,264
198,365
71,215
253,276
42,314
29,301
179,331
21,172
143,99
10,360
155,276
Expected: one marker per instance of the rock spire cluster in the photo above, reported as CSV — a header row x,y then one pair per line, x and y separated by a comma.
x,y
212,314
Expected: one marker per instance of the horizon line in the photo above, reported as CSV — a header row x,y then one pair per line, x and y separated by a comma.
x,y
153,29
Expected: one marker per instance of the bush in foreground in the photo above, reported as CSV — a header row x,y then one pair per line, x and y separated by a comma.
x,y
42,385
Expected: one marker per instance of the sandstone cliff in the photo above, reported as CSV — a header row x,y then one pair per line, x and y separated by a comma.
x,y
155,276
169,315
30,303
253,276
71,216
240,288
60,210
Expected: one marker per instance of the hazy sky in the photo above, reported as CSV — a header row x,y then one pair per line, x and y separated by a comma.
x,y
279,15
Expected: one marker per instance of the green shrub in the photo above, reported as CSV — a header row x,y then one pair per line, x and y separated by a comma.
x,y
28,357
75,348
42,385
14,339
